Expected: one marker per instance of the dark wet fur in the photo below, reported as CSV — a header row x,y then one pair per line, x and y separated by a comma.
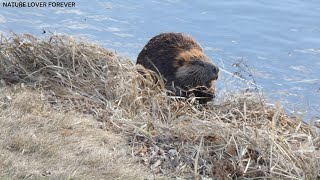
x,y
190,73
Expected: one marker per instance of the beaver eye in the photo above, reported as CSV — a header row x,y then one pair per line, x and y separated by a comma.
x,y
181,63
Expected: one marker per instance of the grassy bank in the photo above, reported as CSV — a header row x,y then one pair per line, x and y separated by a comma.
x,y
240,136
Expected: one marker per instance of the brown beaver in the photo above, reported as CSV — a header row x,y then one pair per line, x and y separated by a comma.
x,y
180,61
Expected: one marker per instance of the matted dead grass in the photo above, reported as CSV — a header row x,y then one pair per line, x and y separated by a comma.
x,y
39,142
239,137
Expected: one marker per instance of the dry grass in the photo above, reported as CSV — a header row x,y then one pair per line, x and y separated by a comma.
x,y
38,142
237,137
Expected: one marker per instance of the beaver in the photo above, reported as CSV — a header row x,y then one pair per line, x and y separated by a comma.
x,y
181,62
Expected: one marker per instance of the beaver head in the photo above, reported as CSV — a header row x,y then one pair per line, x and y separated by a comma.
x,y
180,60
195,74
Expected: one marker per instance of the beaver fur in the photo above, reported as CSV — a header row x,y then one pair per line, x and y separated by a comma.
x,y
180,61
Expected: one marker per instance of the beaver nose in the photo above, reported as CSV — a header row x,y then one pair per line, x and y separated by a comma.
x,y
215,72
215,69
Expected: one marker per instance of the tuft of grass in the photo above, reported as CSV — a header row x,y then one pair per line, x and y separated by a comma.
x,y
239,136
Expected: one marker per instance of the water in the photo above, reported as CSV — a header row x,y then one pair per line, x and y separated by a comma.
x,y
278,40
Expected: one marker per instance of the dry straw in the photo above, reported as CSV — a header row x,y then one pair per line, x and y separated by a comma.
x,y
238,137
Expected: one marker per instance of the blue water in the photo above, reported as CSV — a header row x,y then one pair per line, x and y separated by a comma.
x,y
278,40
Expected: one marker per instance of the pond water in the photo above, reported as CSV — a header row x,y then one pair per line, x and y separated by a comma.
x,y
278,40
